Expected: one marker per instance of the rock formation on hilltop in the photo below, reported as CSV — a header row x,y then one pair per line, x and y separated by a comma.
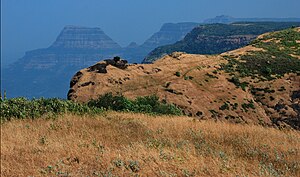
x,y
257,84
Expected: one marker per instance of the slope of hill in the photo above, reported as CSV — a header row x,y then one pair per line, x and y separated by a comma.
x,y
126,144
257,84
218,38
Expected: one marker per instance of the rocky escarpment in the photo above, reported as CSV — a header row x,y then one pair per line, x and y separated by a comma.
x,y
168,34
257,84
75,46
74,37
218,38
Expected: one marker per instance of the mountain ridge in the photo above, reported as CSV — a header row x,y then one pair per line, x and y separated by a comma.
x,y
218,38
228,19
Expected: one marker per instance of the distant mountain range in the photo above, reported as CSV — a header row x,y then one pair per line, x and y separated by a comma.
x,y
46,72
228,19
218,38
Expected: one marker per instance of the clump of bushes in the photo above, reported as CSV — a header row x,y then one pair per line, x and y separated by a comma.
x,y
236,81
21,108
178,74
248,105
225,106
147,104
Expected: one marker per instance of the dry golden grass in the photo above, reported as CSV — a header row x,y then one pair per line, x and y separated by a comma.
x,y
126,144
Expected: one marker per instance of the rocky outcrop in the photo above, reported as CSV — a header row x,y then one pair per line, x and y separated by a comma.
x,y
100,67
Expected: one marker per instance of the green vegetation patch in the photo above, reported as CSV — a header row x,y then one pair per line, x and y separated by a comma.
x,y
21,108
277,58
147,104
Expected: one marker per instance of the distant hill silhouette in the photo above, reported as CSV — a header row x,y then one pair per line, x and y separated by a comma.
x,y
228,19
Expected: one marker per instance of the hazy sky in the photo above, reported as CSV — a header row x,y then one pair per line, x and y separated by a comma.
x,y
32,24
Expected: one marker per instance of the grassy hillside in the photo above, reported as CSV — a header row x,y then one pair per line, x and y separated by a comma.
x,y
125,144
279,55
271,73
218,38
256,84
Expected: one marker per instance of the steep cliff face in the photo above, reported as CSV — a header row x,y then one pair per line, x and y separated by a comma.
x,y
168,34
218,38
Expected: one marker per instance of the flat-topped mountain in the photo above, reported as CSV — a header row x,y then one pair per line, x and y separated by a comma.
x,y
257,84
45,72
75,37
218,38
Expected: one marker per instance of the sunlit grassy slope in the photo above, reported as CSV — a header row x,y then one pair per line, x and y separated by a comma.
x,y
127,144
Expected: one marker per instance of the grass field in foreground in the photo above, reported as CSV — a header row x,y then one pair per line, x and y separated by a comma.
x,y
127,144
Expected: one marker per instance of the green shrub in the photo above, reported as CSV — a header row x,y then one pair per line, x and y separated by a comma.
x,y
178,74
248,105
236,81
271,63
21,108
224,106
146,104
109,101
